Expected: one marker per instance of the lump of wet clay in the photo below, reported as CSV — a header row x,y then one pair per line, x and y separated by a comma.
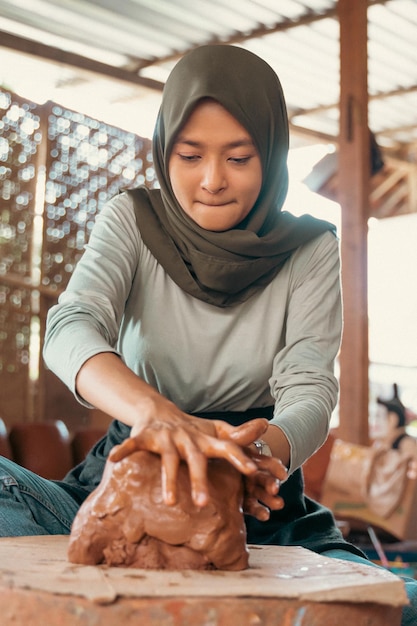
x,y
126,523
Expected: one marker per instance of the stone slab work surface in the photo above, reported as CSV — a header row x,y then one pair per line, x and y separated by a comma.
x,y
287,586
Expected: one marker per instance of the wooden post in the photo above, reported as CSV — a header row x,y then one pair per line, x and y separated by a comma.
x,y
354,172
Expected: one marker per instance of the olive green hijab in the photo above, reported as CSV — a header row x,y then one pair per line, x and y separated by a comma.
x,y
224,268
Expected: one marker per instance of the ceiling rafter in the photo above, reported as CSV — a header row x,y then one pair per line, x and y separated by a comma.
x,y
306,60
308,18
36,48
260,31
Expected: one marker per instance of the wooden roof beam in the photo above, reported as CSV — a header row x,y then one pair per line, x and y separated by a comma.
x,y
50,53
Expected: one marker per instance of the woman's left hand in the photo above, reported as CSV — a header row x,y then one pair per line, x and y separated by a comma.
x,y
261,489
262,486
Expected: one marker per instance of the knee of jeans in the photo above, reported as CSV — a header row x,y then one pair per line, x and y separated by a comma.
x,y
7,481
9,489
11,474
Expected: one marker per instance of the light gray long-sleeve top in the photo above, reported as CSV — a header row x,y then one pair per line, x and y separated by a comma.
x,y
277,348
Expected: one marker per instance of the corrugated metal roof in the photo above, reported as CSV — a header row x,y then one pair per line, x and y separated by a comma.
x,y
139,40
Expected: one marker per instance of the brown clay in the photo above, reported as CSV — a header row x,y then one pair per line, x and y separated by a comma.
x,y
125,521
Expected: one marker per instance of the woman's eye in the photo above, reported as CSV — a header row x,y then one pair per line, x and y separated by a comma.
x,y
188,157
240,160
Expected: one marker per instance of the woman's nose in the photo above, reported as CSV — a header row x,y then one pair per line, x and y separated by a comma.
x,y
213,179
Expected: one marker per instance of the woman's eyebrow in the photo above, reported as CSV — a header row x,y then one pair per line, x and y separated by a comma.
x,y
233,144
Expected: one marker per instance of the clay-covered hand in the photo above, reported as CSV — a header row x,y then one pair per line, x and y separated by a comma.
x,y
182,437
262,486
261,493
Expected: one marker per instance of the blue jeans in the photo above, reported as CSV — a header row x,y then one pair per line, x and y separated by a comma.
x,y
409,616
31,505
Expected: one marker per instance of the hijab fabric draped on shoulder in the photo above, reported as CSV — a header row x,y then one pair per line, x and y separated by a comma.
x,y
224,268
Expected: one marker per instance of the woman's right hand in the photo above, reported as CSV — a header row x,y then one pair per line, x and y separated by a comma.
x,y
159,426
177,436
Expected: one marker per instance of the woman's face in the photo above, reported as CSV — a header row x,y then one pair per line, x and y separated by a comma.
x,y
214,168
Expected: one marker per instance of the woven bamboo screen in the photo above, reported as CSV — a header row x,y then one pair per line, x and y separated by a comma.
x,y
57,169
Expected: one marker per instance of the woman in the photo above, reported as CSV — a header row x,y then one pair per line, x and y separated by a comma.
x,y
202,317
